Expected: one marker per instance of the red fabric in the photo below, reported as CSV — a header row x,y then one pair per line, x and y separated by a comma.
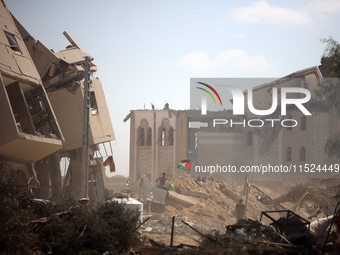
x,y
109,162
188,165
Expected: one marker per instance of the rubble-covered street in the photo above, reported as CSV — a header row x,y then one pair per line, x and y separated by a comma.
x,y
206,208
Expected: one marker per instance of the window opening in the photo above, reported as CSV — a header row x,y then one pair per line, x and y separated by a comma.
x,y
12,42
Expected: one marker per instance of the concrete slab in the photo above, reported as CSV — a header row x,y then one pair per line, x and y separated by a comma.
x,y
181,198
193,193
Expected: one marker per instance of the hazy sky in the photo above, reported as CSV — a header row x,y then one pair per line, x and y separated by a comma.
x,y
147,51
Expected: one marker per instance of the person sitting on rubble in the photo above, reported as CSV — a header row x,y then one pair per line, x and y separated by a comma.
x,y
240,210
161,181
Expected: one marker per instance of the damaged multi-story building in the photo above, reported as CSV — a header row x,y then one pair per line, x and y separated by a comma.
x,y
59,80
297,144
29,130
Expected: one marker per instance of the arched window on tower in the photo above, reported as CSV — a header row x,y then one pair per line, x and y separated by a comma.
x,y
149,137
162,137
171,137
303,122
303,154
140,136
249,138
289,154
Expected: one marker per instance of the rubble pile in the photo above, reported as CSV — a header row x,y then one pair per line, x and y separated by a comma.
x,y
205,207
253,237
312,195
216,202
158,227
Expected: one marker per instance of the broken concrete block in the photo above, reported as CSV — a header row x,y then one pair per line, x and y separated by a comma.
x,y
193,193
181,198
229,193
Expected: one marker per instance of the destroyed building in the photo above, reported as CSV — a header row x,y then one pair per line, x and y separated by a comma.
x,y
152,150
29,129
48,89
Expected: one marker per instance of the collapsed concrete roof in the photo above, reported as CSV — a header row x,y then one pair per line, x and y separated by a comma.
x,y
62,75
56,69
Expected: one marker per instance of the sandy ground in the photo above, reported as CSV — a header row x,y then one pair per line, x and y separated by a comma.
x,y
215,209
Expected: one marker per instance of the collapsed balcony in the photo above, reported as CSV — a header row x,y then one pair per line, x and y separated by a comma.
x,y
28,121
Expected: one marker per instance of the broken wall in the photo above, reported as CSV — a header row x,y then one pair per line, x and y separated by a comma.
x,y
29,129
